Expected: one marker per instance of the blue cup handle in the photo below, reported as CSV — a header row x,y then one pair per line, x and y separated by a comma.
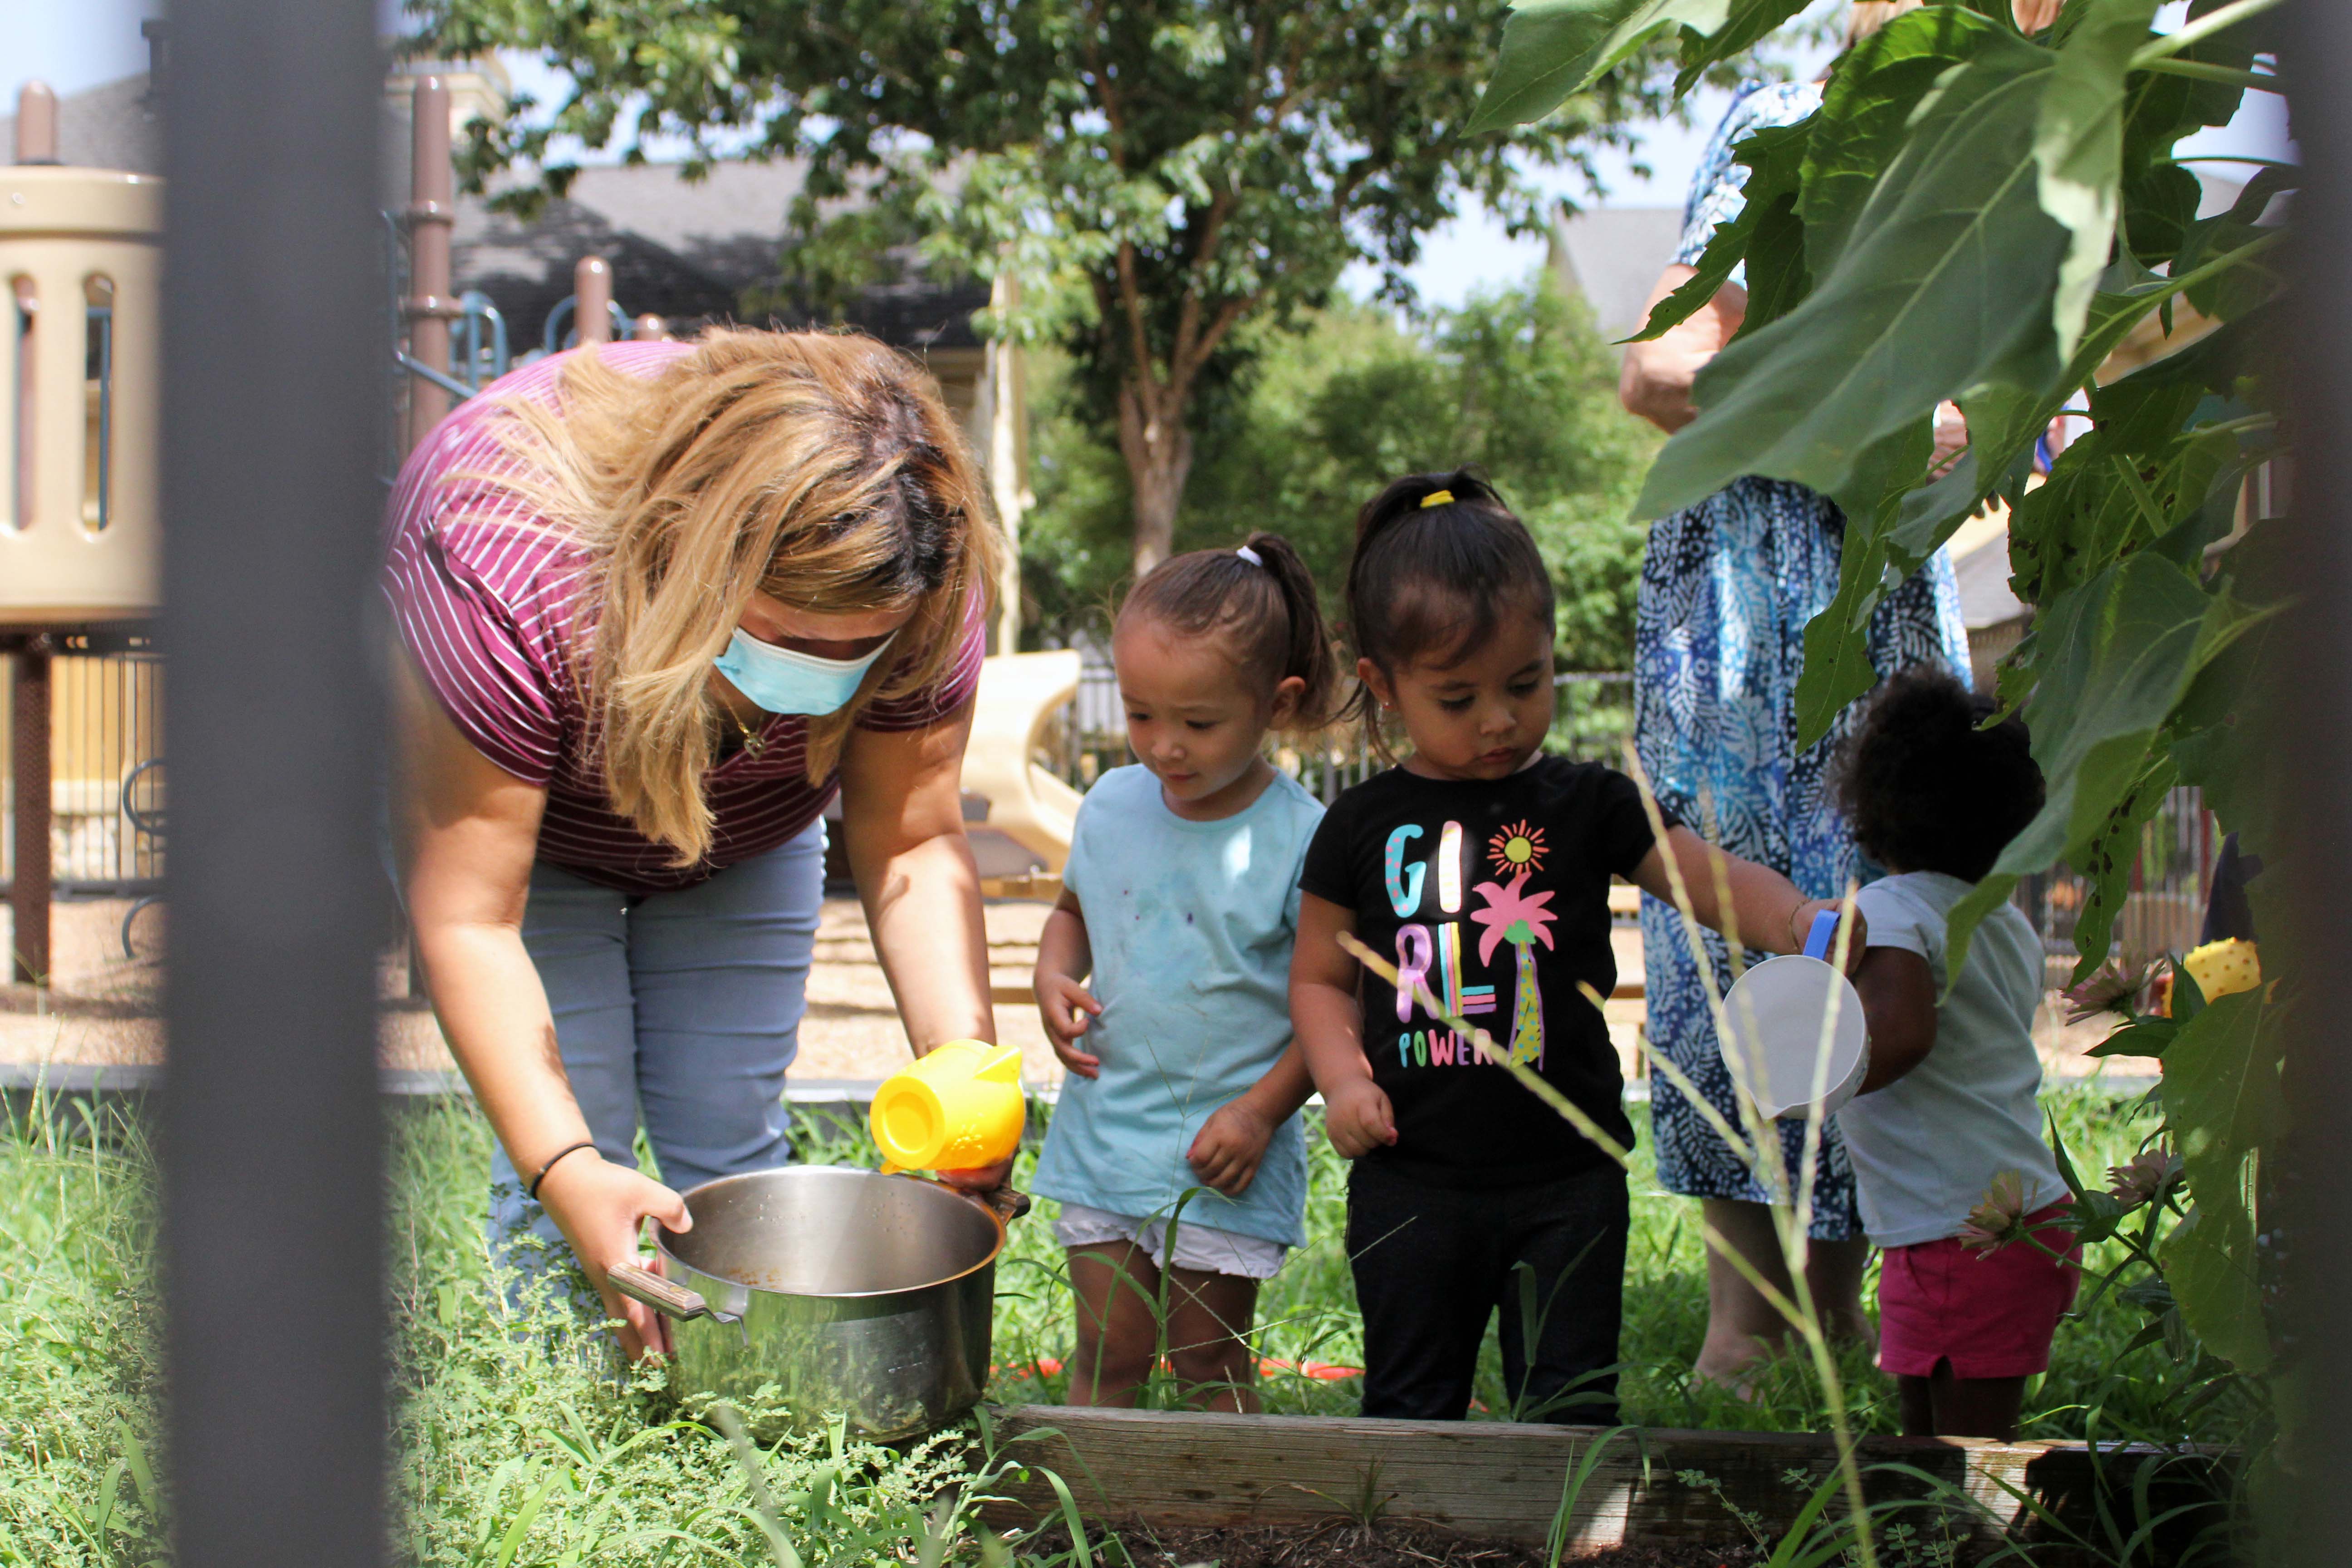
x,y
1817,940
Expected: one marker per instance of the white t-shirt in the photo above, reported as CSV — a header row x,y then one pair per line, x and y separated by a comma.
x,y
1926,1146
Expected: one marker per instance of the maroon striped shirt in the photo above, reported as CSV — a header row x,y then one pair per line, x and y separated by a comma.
x,y
485,594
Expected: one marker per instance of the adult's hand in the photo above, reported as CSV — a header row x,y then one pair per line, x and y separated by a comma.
x,y
978,1179
1657,380
601,1208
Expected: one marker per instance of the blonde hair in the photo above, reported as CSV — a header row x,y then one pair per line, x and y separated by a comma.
x,y
820,469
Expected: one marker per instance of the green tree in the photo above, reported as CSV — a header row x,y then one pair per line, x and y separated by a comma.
x,y
1317,420
1157,176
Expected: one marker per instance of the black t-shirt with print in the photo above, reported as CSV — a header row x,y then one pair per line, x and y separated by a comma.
x,y
1495,893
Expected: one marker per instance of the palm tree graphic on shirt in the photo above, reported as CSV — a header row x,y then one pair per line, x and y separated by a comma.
x,y
1518,916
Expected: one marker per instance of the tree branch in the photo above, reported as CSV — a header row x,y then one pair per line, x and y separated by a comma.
x,y
1131,292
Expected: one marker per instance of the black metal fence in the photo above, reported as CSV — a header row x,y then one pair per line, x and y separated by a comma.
x,y
107,781
2169,883
1088,738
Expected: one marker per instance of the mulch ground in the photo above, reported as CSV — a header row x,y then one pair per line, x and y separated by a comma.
x,y
1391,1543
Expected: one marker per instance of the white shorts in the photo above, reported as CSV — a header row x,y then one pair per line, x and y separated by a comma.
x,y
1201,1247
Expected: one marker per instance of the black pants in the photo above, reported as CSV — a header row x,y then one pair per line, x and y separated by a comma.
x,y
1431,1262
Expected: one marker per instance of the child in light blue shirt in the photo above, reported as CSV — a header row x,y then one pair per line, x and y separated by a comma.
x,y
1180,902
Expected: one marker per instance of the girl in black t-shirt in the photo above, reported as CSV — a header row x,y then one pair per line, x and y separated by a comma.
x,y
1482,866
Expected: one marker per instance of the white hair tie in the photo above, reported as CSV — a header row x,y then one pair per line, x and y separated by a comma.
x,y
1252,557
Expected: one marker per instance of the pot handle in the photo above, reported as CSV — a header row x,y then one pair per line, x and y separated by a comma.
x,y
645,1285
1005,1202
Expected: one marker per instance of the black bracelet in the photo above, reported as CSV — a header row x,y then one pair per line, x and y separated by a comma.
x,y
559,1153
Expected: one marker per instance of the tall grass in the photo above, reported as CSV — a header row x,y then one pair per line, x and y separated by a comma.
x,y
515,1443
79,1344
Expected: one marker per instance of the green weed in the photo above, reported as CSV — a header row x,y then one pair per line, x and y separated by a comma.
x,y
517,1443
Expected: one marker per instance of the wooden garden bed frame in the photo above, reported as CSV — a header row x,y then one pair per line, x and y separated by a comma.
x,y
1504,1481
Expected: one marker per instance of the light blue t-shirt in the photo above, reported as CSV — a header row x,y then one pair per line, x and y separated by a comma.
x,y
1926,1147
1192,924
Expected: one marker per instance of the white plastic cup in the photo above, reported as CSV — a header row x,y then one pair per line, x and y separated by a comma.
x,y
1775,1016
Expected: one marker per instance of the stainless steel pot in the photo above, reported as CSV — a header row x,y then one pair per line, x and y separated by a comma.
x,y
850,1291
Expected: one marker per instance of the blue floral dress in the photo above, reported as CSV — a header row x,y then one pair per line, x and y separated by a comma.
x,y
1726,589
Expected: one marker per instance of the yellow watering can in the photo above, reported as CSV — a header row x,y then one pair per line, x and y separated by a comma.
x,y
957,1108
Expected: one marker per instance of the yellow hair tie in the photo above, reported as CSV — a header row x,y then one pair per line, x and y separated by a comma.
x,y
1435,498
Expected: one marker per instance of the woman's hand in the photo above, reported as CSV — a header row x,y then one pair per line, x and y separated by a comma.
x,y
1656,378
1229,1148
1358,1118
1067,1007
979,1178
601,1208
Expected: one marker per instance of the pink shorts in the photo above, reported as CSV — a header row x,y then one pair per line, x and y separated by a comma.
x,y
1988,1314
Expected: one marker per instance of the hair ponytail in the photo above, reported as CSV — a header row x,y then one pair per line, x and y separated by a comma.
x,y
1261,598
1307,655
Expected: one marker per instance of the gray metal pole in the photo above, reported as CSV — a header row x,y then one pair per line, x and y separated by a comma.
x,y
2312,723
272,1189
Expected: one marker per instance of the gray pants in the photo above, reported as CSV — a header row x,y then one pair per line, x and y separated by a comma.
x,y
681,1010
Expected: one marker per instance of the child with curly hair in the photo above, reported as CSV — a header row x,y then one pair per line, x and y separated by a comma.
x,y
1946,1116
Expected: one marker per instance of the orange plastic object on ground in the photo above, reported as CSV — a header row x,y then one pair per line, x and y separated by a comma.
x,y
1320,1371
958,1107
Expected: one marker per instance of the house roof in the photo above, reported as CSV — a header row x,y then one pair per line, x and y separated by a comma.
x,y
685,251
115,125
1612,255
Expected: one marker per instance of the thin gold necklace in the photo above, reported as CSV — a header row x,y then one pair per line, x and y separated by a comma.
x,y
753,744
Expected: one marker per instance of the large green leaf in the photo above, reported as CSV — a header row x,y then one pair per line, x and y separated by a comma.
x,y
2223,1105
2004,422
2208,1262
1747,24
2078,148
2106,863
1779,280
1837,668
1867,106
2214,741
1774,158
1944,285
2117,653
1555,47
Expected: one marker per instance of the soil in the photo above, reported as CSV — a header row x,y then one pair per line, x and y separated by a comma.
x,y
1391,1543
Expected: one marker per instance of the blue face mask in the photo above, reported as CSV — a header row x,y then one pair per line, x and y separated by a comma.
x,y
781,680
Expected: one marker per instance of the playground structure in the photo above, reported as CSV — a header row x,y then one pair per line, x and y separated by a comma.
x,y
80,534
1020,693
81,540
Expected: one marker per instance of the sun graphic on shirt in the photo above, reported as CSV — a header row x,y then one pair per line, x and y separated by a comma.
x,y
1517,847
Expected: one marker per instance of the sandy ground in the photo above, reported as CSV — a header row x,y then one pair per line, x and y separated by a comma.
x,y
102,1007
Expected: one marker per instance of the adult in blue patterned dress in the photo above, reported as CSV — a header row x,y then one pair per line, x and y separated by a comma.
x,y
1726,589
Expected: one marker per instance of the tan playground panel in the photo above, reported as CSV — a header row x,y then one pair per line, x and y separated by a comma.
x,y
79,534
